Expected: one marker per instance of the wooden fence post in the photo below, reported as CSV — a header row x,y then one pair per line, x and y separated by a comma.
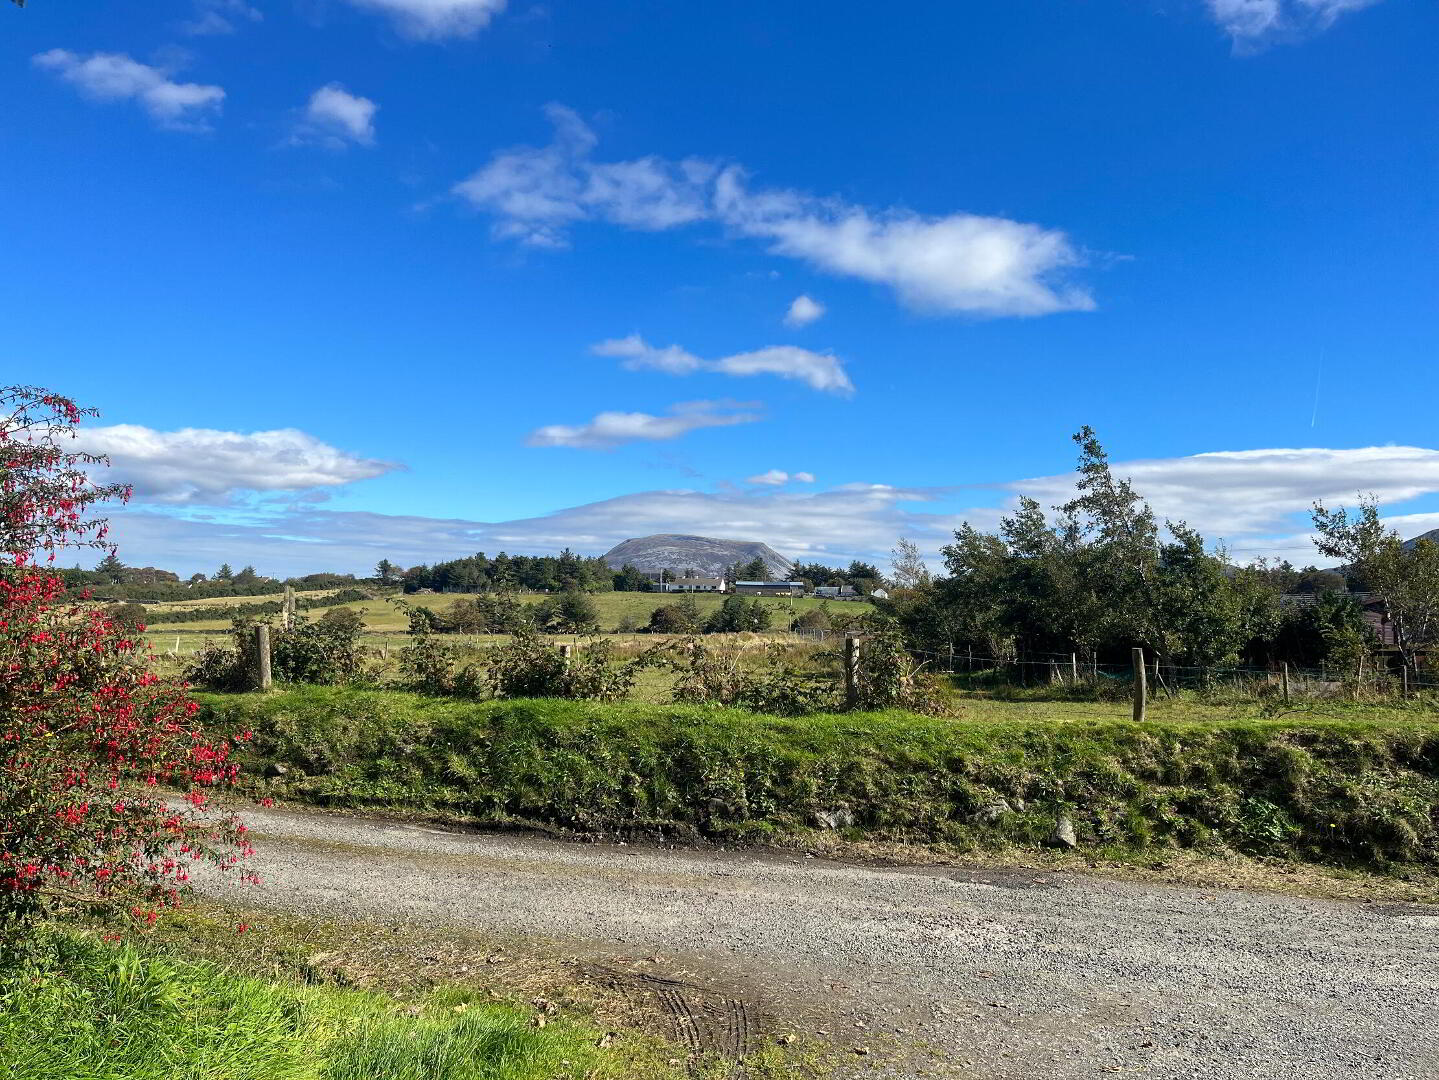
x,y
1074,669
289,608
1284,681
851,671
1140,689
1404,667
566,653
262,656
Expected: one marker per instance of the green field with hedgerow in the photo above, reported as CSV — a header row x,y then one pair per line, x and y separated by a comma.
x,y
1354,786
615,609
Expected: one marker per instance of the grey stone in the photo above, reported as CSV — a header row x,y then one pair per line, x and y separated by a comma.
x,y
276,769
841,817
1063,835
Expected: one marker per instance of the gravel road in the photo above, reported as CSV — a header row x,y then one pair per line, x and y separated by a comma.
x,y
998,975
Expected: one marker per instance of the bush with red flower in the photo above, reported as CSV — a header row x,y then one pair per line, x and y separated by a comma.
x,y
105,773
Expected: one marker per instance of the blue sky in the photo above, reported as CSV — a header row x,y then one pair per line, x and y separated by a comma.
x,y
353,278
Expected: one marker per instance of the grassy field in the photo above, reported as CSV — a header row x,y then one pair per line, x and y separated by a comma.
x,y
85,1008
1350,786
614,608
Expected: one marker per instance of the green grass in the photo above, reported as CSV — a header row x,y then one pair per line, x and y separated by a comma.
x,y
382,617
1357,787
88,1010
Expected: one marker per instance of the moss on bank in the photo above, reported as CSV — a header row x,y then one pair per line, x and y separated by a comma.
x,y
1341,791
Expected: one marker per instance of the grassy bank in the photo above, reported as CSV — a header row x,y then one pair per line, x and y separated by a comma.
x,y
1361,790
86,1008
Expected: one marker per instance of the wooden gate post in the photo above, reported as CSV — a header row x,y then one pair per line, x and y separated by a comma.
x,y
262,657
851,671
1284,681
566,653
1140,689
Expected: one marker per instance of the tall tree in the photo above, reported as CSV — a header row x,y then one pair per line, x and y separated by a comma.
x,y
386,572
112,569
907,567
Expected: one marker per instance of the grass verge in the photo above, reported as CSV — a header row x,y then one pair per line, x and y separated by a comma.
x,y
86,1008
1359,791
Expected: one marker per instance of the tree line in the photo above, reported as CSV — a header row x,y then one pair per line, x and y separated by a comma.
x,y
1100,575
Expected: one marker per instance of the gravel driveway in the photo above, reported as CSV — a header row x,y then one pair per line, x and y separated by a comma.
x,y
995,975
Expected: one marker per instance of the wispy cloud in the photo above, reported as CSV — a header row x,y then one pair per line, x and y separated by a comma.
x,y
1253,24
334,117
432,20
611,429
945,264
213,17
821,371
803,311
778,478
116,77
202,466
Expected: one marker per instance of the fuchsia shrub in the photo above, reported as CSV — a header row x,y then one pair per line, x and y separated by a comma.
x,y
104,772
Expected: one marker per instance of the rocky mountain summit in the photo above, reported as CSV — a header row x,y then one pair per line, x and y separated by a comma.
x,y
708,555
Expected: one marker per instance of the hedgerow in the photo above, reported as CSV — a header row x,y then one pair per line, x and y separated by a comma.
x,y
1339,791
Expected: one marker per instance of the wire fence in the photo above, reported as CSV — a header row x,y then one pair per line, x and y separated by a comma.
x,y
1072,670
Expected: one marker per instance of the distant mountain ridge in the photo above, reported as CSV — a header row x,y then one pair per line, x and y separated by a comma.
x,y
1432,536
710,556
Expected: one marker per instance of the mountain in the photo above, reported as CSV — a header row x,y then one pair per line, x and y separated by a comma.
x,y
710,556
1432,536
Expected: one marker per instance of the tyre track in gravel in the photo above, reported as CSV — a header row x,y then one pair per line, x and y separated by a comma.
x,y
999,975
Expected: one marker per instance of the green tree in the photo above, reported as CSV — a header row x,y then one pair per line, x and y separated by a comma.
x,y
246,576
386,572
738,615
676,618
629,578
1404,576
577,614
111,569
224,573
754,570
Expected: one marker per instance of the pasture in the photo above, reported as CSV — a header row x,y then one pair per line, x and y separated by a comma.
x,y
616,609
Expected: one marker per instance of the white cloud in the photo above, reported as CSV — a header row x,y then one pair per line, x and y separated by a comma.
x,y
639,354
197,465
821,371
1247,497
1253,23
116,77
334,117
1235,493
803,311
611,429
214,17
431,20
954,263
778,478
